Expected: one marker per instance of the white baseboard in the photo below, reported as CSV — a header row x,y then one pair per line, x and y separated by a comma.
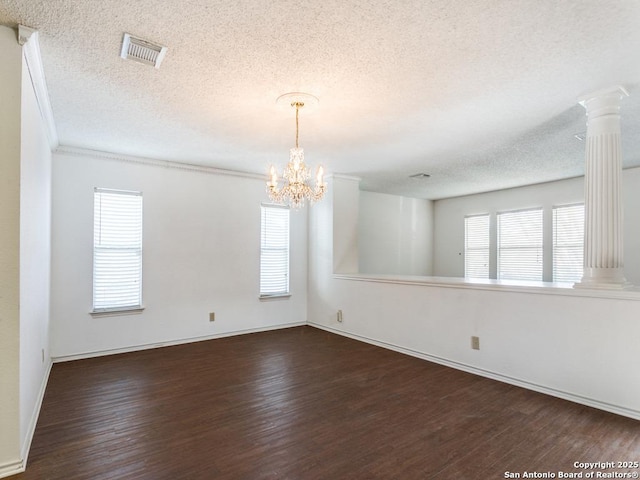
x,y
18,466
11,468
31,429
136,348
590,402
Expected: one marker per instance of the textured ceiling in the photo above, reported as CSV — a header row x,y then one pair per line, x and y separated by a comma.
x,y
480,94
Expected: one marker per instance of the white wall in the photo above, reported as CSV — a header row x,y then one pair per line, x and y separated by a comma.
x,y
35,259
200,254
345,222
395,234
10,88
574,346
449,220
631,238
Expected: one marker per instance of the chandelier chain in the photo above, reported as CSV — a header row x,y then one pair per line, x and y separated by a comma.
x,y
297,105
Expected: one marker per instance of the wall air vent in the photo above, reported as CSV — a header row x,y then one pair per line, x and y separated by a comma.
x,y
142,51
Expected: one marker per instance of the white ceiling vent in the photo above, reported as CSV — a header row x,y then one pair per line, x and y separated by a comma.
x,y
142,51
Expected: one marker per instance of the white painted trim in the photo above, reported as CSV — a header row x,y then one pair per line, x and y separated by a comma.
x,y
11,468
31,429
85,152
25,33
28,38
340,176
169,343
116,312
513,286
590,402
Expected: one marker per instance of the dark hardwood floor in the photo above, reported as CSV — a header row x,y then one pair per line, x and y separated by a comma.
x,y
302,403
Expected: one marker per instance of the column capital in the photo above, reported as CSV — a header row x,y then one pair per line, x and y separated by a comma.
x,y
604,101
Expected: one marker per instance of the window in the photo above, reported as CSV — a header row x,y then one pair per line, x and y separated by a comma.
x,y
117,250
274,251
520,245
476,246
568,243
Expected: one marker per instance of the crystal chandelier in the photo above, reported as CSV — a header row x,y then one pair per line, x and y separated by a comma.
x,y
296,187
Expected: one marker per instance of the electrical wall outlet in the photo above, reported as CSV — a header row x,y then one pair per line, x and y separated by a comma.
x,y
339,316
475,343
212,316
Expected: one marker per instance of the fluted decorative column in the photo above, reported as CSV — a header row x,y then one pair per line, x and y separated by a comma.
x,y
603,227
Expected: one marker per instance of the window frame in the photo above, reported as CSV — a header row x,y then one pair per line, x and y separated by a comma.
x,y
473,251
265,208
566,246
538,246
98,306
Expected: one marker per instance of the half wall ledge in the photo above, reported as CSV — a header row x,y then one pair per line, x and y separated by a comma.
x,y
516,286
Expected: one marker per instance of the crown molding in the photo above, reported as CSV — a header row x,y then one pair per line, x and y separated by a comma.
x,y
28,38
85,152
340,176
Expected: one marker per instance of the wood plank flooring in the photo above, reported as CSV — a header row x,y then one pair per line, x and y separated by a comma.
x,y
302,403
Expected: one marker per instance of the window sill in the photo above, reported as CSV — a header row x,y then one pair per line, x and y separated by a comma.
x,y
112,312
275,296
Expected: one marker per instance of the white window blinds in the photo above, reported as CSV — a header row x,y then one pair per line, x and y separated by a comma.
x,y
117,250
476,246
520,245
274,251
568,243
